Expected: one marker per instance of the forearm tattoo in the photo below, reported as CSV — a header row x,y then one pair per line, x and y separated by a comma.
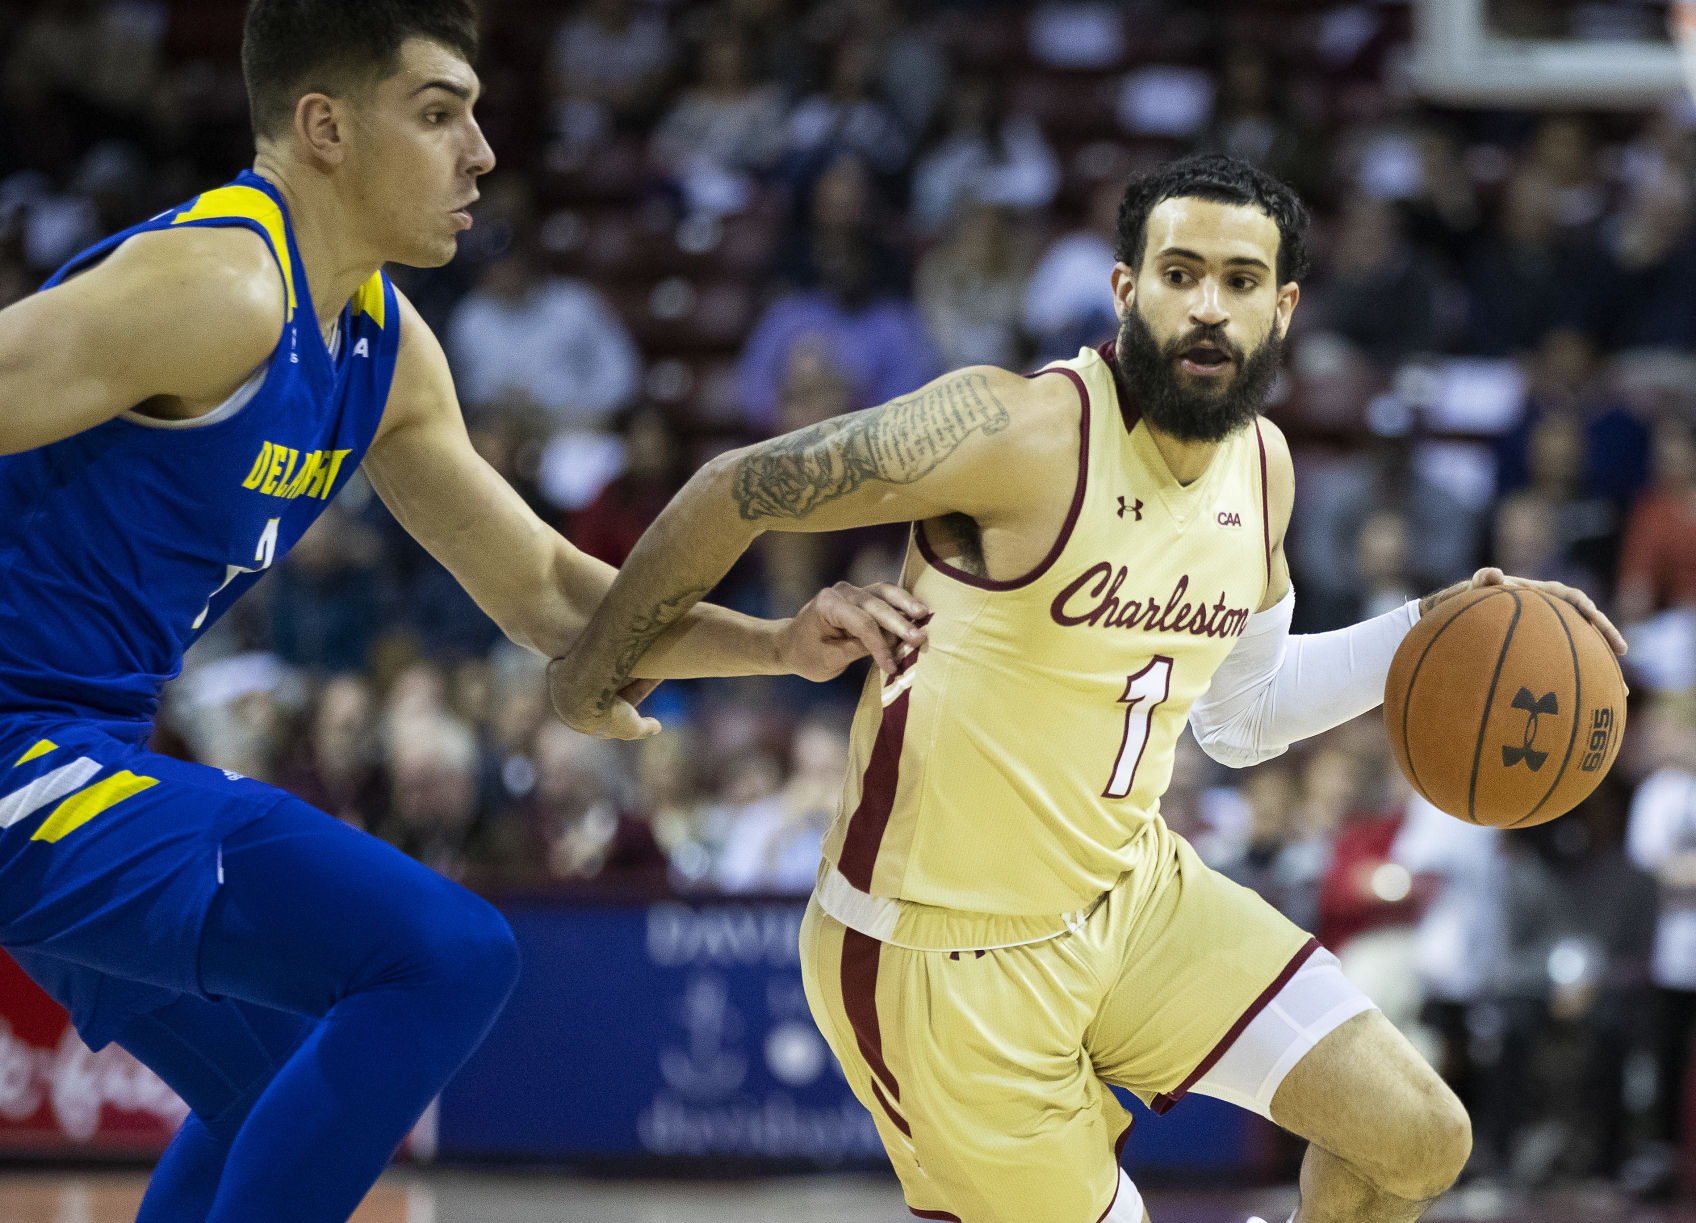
x,y
645,629
898,443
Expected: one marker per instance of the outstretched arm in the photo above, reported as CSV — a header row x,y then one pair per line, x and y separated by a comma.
x,y
951,447
537,587
1275,689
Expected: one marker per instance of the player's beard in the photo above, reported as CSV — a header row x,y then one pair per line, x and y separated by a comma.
x,y
1148,374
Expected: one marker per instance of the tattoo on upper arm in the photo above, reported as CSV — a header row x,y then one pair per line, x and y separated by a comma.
x,y
898,443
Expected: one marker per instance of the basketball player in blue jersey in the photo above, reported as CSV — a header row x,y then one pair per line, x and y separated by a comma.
x,y
176,407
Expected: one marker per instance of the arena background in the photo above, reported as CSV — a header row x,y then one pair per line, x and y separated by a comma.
x,y
716,221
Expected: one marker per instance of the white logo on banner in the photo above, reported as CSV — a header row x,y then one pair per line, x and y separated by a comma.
x,y
77,1082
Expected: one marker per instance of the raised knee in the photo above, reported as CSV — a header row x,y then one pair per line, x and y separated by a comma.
x,y
490,952
468,947
1436,1143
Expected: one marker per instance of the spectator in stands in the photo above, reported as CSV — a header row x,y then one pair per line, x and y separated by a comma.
x,y
1249,123
1268,793
1066,306
1381,558
1354,896
986,155
773,844
1526,541
1458,950
1380,293
848,307
523,337
433,798
607,69
1661,838
1609,461
1289,846
911,73
1658,558
848,117
324,596
724,129
1647,298
1579,927
577,812
338,766
666,792
609,526
969,289
1563,153
1441,207
1338,499
1523,276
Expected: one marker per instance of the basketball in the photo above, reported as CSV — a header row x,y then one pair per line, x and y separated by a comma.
x,y
1505,706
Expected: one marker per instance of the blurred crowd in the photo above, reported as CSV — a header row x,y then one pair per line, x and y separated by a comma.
x,y
715,221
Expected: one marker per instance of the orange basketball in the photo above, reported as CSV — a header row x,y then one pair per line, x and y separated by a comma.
x,y
1505,706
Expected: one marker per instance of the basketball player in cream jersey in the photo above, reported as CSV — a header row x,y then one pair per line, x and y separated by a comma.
x,y
1003,924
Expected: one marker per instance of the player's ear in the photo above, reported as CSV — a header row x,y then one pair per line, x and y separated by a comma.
x,y
318,123
1288,296
1124,289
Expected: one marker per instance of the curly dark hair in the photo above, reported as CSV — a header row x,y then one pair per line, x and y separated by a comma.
x,y
1224,180
295,47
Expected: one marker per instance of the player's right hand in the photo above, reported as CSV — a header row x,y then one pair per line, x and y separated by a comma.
x,y
619,720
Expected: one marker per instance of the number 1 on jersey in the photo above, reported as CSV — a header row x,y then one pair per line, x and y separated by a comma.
x,y
1144,691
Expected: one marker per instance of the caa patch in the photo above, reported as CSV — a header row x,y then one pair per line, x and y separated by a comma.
x,y
1229,518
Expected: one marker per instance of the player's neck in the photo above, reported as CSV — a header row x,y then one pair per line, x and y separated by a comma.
x,y
1187,461
335,265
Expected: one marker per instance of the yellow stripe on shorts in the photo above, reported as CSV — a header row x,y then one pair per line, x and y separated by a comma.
x,y
40,749
78,809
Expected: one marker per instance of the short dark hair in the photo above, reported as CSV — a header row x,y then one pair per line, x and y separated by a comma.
x,y
1224,180
294,47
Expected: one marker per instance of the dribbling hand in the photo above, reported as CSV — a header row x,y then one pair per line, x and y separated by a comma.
x,y
1491,576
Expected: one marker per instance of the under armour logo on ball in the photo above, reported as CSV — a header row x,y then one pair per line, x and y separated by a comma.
x,y
1534,707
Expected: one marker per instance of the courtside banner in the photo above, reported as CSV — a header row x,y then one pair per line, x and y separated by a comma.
x,y
677,1032
57,1097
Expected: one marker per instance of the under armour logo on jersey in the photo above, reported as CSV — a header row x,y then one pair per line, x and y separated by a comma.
x,y
362,349
1135,508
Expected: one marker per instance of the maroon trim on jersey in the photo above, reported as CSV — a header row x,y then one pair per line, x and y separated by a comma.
x,y
1119,1182
864,838
933,1214
1265,513
1047,562
894,1114
860,953
1163,1102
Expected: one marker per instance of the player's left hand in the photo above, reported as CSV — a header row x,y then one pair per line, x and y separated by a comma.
x,y
846,622
1491,576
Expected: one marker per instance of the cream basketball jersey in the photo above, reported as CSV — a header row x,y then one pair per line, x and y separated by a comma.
x,y
1002,781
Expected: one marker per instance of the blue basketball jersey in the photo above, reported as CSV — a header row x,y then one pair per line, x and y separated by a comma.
x,y
121,545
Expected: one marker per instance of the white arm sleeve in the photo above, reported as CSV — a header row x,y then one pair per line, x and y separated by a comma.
x,y
1273,689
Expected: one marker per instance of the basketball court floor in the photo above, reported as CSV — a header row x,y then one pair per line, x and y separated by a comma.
x,y
464,1197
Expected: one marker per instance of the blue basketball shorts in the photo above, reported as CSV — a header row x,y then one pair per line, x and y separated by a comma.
x,y
109,859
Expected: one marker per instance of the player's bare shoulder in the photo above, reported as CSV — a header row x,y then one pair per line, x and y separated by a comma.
x,y
1280,474
223,282
174,317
